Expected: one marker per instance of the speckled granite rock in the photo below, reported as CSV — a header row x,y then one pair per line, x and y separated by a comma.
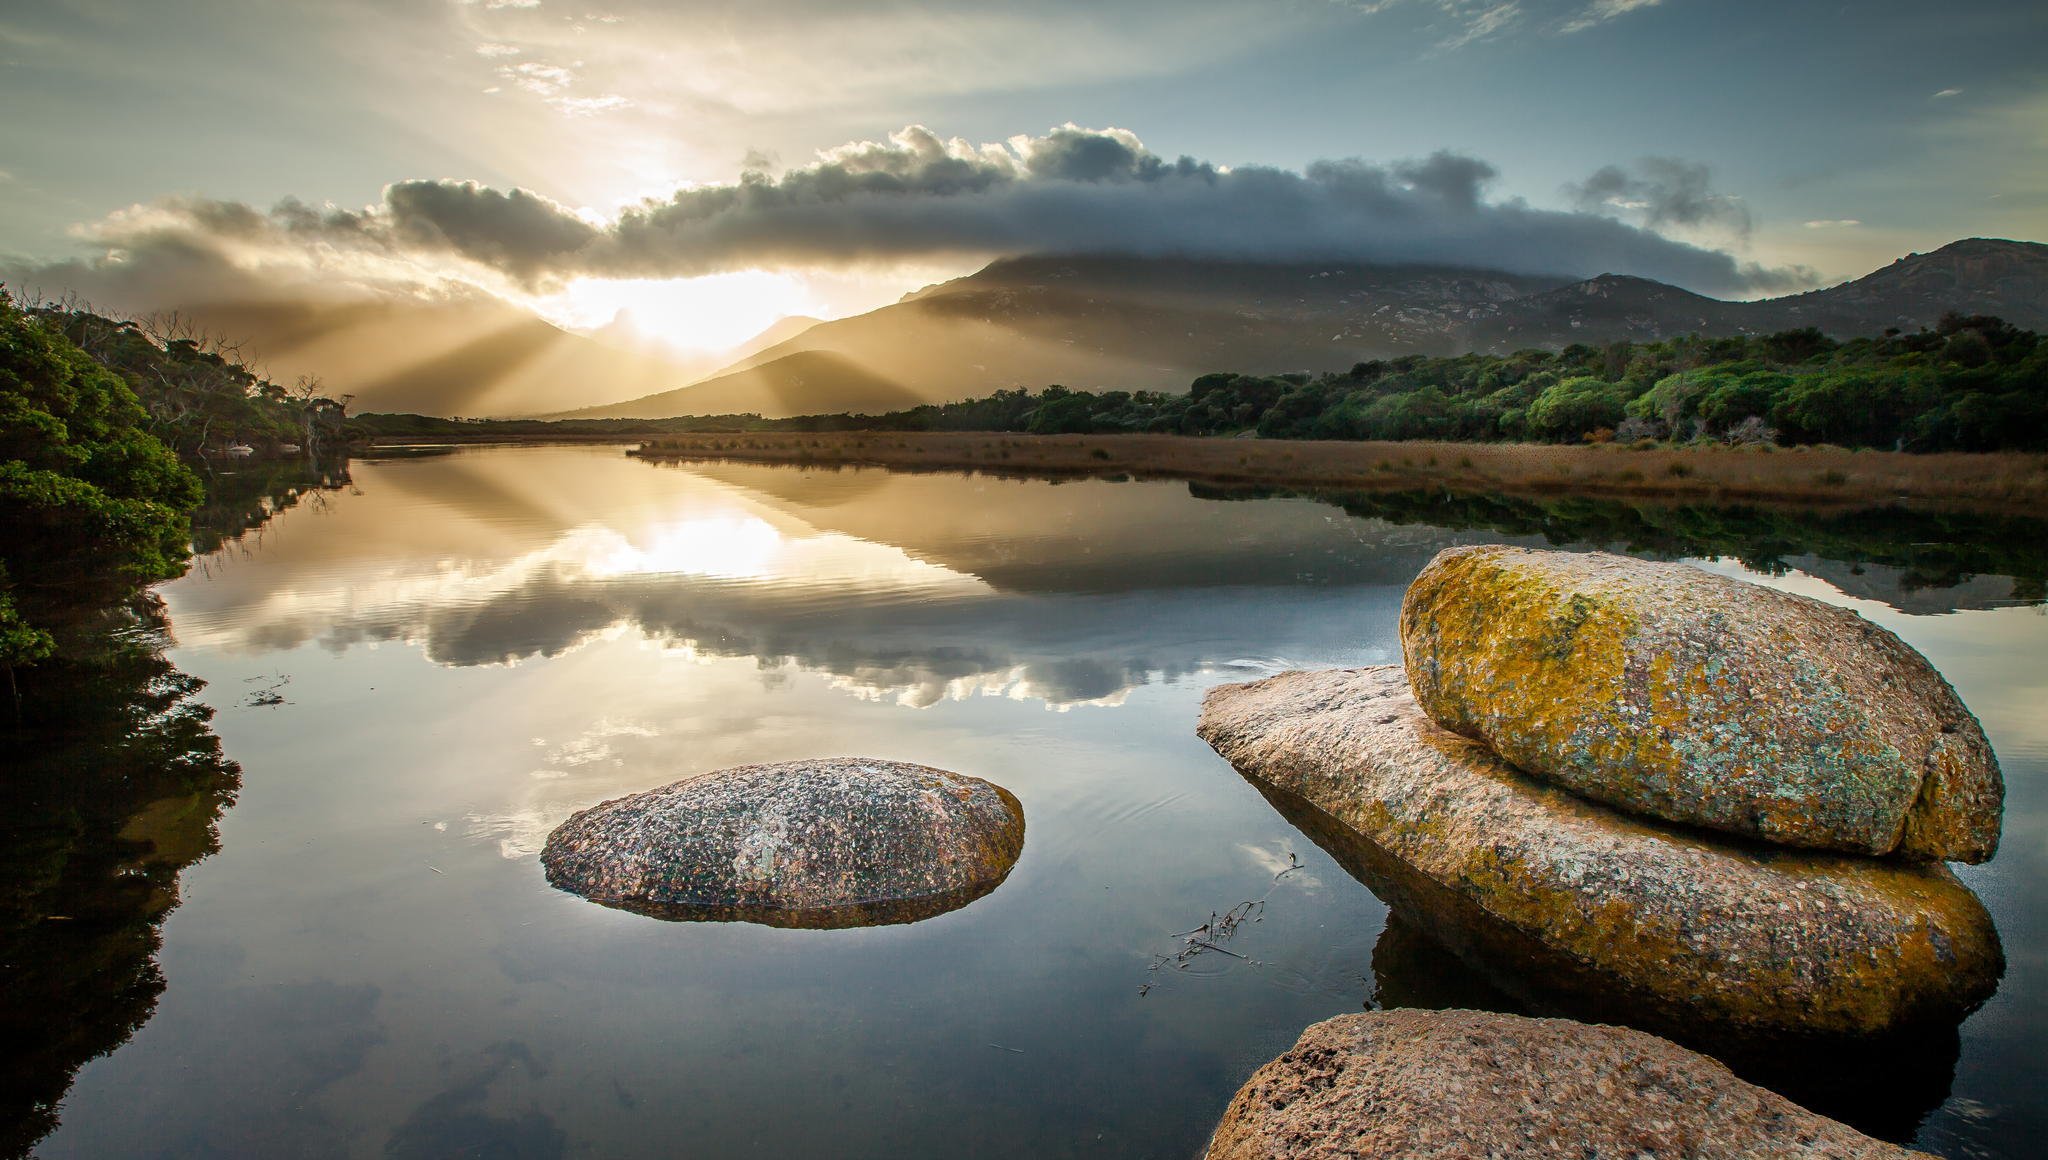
x,y
827,843
1468,1084
1678,694
1701,929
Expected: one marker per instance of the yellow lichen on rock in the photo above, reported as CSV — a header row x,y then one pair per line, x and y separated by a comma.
x,y
1690,697
1700,930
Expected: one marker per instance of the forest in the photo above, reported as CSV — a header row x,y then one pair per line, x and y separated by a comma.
x,y
112,433
1971,383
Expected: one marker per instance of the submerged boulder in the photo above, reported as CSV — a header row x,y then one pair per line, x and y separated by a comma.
x,y
826,843
1410,1083
1674,693
1692,928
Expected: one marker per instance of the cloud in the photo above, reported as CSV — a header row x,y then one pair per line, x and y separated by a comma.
x,y
1945,94
1601,11
917,196
1468,21
1833,224
1661,192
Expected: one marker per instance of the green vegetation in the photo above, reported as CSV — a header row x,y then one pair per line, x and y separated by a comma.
x,y
1969,384
198,396
95,503
101,427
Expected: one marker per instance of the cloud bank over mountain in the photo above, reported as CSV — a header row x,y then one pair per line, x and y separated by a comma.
x,y
918,197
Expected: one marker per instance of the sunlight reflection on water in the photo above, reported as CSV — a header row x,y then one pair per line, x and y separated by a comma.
x,y
373,954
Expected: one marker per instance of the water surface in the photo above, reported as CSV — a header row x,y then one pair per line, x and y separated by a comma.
x,y
472,645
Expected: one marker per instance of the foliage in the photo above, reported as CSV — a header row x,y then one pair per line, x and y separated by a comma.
x,y
1970,384
198,394
100,424
95,503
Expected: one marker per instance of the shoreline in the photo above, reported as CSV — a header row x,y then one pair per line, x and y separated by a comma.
x,y
1823,476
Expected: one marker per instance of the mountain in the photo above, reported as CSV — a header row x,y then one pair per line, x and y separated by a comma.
x,y
1602,309
464,356
1097,322
1131,323
1973,276
472,356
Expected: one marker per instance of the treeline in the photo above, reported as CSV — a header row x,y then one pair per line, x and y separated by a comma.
x,y
1969,384
101,426
199,395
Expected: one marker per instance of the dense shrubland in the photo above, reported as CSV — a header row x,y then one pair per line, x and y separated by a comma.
x,y
1969,384
105,434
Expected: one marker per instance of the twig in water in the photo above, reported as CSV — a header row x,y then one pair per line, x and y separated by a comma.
x,y
1220,929
270,694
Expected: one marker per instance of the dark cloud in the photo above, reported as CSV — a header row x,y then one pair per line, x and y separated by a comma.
x,y
1660,192
918,196
521,233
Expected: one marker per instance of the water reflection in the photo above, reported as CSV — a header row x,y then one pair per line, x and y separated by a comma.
x,y
1439,950
484,641
114,787
923,588
1917,561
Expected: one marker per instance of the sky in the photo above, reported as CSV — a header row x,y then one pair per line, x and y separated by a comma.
x,y
708,167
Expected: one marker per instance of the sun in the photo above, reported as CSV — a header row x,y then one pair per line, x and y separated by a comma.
x,y
711,313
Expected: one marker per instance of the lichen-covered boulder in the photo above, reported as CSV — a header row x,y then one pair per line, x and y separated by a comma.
x,y
1678,694
826,843
1692,928
1458,1084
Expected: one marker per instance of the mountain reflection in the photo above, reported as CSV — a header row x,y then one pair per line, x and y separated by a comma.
x,y
926,587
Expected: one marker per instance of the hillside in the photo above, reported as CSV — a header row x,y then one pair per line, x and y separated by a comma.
x,y
1973,276
466,356
1102,322
1130,323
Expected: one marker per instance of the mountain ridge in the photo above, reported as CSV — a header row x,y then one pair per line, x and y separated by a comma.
x,y
1126,323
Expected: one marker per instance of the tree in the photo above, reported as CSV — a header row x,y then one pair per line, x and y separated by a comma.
x,y
1576,406
95,504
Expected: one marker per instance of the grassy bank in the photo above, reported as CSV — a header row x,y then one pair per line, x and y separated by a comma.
x,y
1812,475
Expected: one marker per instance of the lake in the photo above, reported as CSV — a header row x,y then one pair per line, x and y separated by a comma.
x,y
422,673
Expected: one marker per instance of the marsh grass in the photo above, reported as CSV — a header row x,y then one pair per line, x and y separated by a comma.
x,y
1821,475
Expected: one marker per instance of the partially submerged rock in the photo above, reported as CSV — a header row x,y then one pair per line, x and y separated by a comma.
x,y
1467,1083
1678,694
1440,950
828,843
1694,929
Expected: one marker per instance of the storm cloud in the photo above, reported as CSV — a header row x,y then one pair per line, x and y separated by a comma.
x,y
1660,192
918,196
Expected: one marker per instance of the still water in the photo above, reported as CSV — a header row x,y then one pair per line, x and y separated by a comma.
x,y
469,646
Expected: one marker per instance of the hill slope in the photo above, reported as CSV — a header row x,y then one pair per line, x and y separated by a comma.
x,y
1973,276
1093,322
1132,323
471,356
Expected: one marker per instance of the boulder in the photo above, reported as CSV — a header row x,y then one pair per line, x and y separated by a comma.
x,y
1693,928
1460,1084
827,843
1678,694
1438,950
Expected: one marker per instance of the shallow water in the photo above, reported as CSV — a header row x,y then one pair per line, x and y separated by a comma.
x,y
471,646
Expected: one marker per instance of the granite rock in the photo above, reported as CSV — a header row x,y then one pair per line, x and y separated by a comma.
x,y
824,843
1694,927
1678,694
1459,1084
